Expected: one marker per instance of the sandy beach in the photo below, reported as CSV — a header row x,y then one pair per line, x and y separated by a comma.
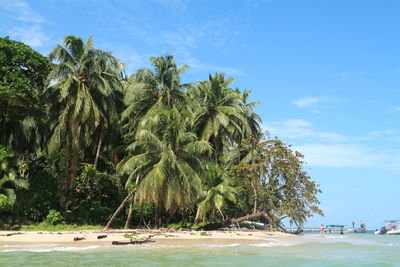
x,y
170,238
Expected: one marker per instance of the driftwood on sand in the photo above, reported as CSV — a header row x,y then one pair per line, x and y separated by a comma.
x,y
10,234
138,242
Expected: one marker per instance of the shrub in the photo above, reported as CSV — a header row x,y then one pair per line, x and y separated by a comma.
x,y
5,203
53,218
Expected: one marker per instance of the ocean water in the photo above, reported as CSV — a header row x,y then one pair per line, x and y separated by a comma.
x,y
309,250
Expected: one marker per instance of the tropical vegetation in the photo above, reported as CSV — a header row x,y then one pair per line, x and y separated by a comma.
x,y
82,143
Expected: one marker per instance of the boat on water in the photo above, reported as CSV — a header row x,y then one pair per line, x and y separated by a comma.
x,y
335,228
393,228
359,230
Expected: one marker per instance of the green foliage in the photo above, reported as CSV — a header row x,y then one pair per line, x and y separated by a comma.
x,y
23,72
5,203
9,179
96,195
217,190
45,173
53,218
84,81
59,227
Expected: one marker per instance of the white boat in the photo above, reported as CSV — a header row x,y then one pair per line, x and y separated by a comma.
x,y
393,232
393,228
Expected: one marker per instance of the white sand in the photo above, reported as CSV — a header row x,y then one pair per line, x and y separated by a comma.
x,y
66,238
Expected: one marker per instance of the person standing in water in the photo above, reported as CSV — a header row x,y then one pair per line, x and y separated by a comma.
x,y
321,229
353,224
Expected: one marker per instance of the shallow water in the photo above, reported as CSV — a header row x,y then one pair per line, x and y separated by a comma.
x,y
310,250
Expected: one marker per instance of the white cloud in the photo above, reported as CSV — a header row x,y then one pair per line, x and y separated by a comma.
x,y
172,3
307,101
21,11
33,36
351,74
329,149
195,64
301,129
348,155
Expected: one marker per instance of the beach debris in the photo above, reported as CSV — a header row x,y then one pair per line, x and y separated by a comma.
x,y
10,234
79,238
137,242
101,236
135,239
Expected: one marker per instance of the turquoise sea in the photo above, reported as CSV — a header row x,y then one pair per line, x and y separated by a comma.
x,y
309,250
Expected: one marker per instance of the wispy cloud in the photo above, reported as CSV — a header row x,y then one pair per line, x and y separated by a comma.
x,y
348,155
21,10
397,108
307,101
172,3
346,75
195,64
330,149
301,129
33,36
29,29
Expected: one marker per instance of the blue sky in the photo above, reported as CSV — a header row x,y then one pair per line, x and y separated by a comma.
x,y
327,74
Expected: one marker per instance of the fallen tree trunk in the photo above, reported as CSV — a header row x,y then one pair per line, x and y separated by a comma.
x,y
225,223
138,242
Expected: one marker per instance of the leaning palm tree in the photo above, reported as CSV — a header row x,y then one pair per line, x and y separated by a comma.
x,y
82,81
218,114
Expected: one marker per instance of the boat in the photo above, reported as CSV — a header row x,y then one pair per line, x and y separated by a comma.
x,y
382,231
335,228
358,230
393,228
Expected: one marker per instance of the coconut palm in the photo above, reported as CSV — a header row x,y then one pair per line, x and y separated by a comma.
x,y
83,81
168,158
252,127
218,114
9,180
150,91
216,191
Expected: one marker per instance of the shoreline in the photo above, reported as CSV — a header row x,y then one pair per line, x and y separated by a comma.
x,y
158,238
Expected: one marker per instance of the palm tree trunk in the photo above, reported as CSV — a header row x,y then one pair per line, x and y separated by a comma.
x,y
255,197
96,160
119,209
128,219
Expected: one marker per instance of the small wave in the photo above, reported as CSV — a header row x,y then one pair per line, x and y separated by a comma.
x,y
220,246
273,244
48,249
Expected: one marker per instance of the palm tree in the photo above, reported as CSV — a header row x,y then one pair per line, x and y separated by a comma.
x,y
216,191
9,179
83,81
218,114
151,91
253,119
168,158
